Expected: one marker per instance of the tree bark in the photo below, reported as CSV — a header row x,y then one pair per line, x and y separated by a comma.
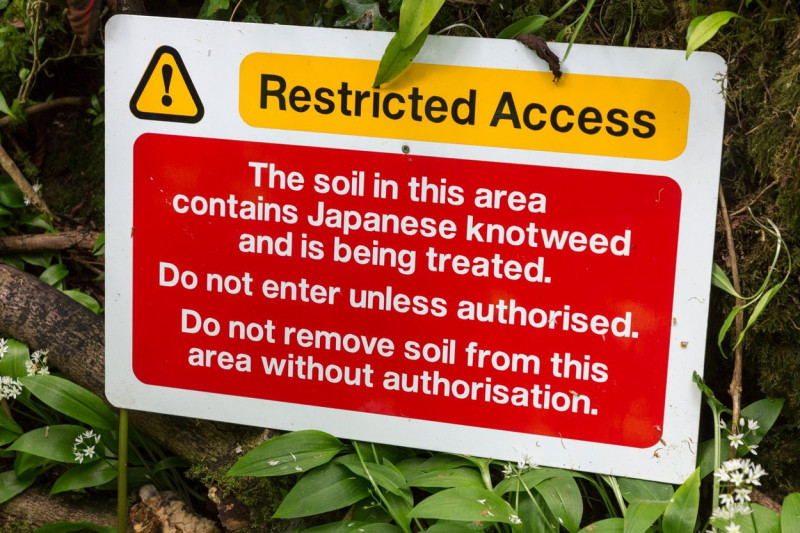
x,y
82,239
37,508
44,318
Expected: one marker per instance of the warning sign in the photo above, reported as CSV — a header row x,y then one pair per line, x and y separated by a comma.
x,y
471,259
165,91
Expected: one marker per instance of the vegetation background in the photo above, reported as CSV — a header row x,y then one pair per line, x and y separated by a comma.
x,y
61,148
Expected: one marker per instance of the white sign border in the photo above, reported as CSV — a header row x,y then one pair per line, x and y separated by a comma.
x,y
212,52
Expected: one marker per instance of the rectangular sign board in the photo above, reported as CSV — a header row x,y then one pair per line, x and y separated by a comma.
x,y
472,258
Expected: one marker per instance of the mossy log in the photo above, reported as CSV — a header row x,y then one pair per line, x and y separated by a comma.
x,y
44,318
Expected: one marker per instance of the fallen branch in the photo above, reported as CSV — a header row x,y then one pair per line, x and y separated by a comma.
x,y
82,239
78,101
37,508
13,170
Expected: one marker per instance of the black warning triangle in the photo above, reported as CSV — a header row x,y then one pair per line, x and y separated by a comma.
x,y
166,91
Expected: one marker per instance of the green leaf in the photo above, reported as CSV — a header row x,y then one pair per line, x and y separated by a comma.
x,y
716,406
681,514
465,504
352,525
13,363
701,31
642,514
530,478
324,489
72,400
99,247
456,477
66,527
51,442
288,454
415,18
7,436
765,412
452,527
720,280
84,299
609,525
86,475
396,58
384,476
210,7
10,195
4,107
41,260
640,489
25,462
8,423
564,499
790,515
524,26
761,520
11,484
54,274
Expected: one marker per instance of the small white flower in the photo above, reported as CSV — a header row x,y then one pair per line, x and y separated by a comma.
x,y
514,519
752,449
37,364
736,439
733,528
3,348
725,499
752,424
722,424
84,445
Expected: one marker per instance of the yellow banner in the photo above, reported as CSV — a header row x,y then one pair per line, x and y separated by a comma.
x,y
581,114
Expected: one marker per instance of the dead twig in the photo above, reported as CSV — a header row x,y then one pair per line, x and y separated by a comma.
x,y
735,389
13,170
539,45
79,101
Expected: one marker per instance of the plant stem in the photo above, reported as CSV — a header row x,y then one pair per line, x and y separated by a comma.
x,y
735,388
122,473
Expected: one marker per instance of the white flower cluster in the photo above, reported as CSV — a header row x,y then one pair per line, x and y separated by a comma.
x,y
738,477
3,348
9,387
84,445
37,364
522,465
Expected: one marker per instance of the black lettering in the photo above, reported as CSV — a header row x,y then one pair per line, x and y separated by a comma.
x,y
388,112
526,116
415,98
436,104
499,113
360,97
612,118
325,106
470,103
554,118
589,115
345,93
299,94
649,127
277,93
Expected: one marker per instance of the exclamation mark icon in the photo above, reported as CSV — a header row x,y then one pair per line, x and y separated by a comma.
x,y
166,73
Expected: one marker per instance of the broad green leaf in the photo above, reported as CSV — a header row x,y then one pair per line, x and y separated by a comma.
x,y
72,400
465,504
385,477
681,514
13,363
8,423
640,489
395,58
761,520
169,463
11,484
444,461
40,221
10,195
530,478
415,18
7,436
99,247
456,477
701,31
765,412
642,514
54,273
4,106
324,489
25,462
290,453
86,475
451,527
531,24
720,280
84,299
41,260
355,526
790,515
210,7
609,525
50,442
67,527
564,499
534,513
